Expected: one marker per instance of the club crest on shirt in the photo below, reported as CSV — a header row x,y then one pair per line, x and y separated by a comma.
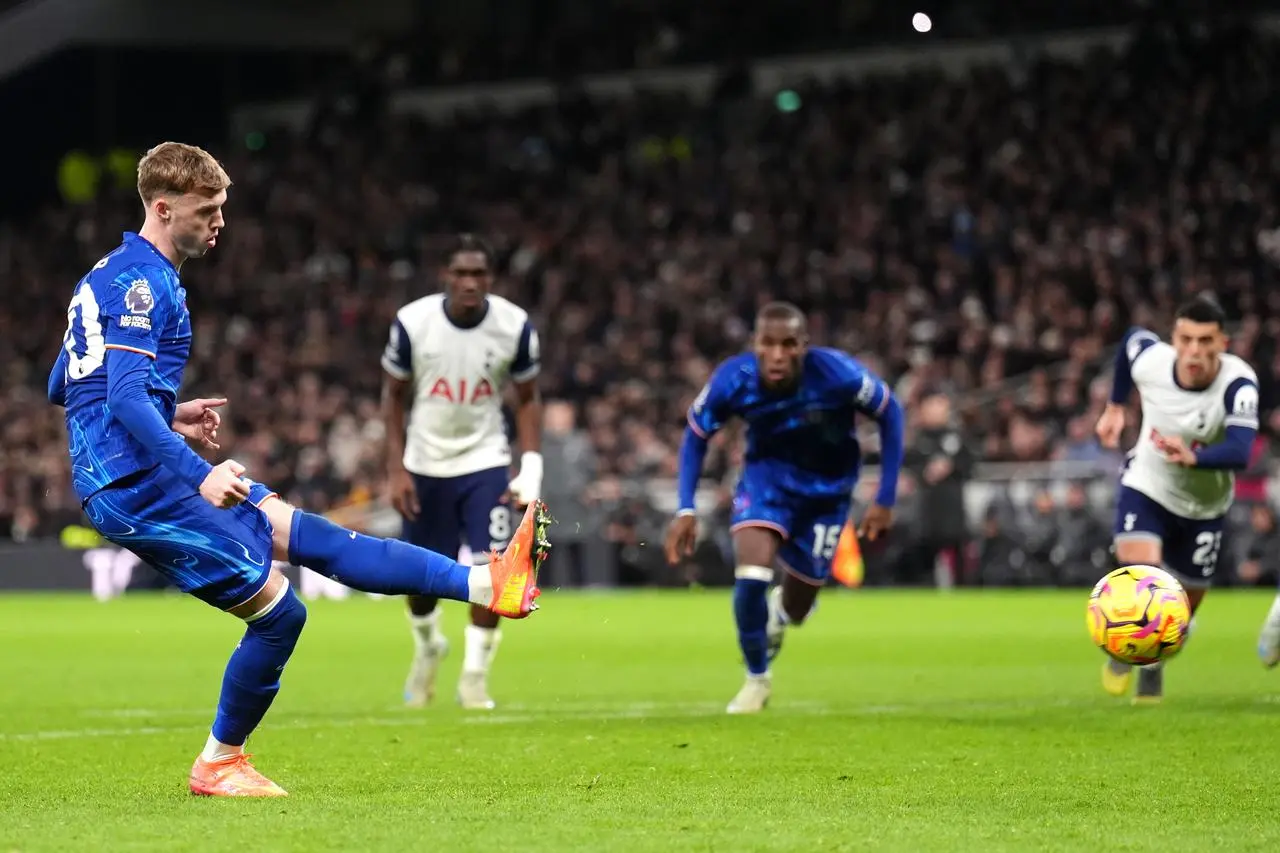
x,y
138,298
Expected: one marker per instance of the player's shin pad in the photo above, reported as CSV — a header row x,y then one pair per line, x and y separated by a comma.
x,y
751,612
252,677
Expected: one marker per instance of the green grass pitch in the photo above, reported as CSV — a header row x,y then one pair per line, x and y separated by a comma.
x,y
901,720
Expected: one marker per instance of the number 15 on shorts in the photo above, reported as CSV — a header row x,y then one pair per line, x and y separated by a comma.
x,y
825,539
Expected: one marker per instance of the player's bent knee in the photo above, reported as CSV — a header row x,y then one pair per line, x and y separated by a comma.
x,y
282,620
261,600
756,546
1138,552
279,514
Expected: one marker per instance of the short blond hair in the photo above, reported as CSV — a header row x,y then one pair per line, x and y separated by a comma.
x,y
173,168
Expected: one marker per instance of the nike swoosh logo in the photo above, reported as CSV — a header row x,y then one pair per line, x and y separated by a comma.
x,y
353,534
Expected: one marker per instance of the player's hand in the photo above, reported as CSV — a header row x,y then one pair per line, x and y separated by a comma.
x,y
1175,450
223,487
1110,426
403,495
877,520
198,420
682,535
527,485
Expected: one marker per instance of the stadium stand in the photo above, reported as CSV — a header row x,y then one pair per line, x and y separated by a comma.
x,y
985,237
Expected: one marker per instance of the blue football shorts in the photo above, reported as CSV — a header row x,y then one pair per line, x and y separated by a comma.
x,y
467,509
221,556
810,527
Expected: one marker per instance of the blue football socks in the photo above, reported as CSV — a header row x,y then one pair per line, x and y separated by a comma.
x,y
369,564
751,610
252,678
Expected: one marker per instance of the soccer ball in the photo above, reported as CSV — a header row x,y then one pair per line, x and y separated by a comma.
x,y
1139,615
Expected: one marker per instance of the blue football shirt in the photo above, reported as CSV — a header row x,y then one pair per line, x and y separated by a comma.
x,y
805,437
132,300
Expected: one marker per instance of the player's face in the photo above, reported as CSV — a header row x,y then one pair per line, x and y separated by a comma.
x,y
780,346
468,280
1199,346
194,221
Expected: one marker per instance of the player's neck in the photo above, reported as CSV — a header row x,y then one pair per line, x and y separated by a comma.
x,y
465,318
782,389
155,234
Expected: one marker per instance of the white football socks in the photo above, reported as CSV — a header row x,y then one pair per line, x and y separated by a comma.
x,y
481,645
480,586
216,750
424,630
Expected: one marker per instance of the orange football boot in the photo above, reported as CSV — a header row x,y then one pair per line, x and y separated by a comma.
x,y
514,573
233,776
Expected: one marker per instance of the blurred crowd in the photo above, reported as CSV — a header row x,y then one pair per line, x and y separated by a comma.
x,y
505,39
983,241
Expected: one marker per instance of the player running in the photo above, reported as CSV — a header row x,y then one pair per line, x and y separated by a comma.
x,y
802,462
447,362
1199,418
207,528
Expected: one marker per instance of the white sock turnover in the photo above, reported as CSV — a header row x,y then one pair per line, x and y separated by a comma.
x,y
480,586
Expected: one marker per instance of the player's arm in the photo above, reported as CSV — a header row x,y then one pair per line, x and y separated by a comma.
x,y
1136,341
397,387
57,390
706,417
527,486
874,399
133,316
1233,452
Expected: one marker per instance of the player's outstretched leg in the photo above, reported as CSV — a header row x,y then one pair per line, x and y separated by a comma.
x,y
507,585
751,612
250,684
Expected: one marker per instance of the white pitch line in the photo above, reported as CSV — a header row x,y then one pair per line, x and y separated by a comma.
x,y
523,714
69,734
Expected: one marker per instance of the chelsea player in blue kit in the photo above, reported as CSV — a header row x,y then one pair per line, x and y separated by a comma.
x,y
210,530
802,462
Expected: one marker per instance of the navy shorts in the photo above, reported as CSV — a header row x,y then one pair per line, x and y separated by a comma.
x,y
221,556
453,511
1188,546
809,527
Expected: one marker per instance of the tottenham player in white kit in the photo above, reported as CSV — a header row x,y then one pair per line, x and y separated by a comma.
x,y
1199,418
448,360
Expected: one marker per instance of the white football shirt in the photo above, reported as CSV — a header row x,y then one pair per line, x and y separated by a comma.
x,y
456,425
1200,417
